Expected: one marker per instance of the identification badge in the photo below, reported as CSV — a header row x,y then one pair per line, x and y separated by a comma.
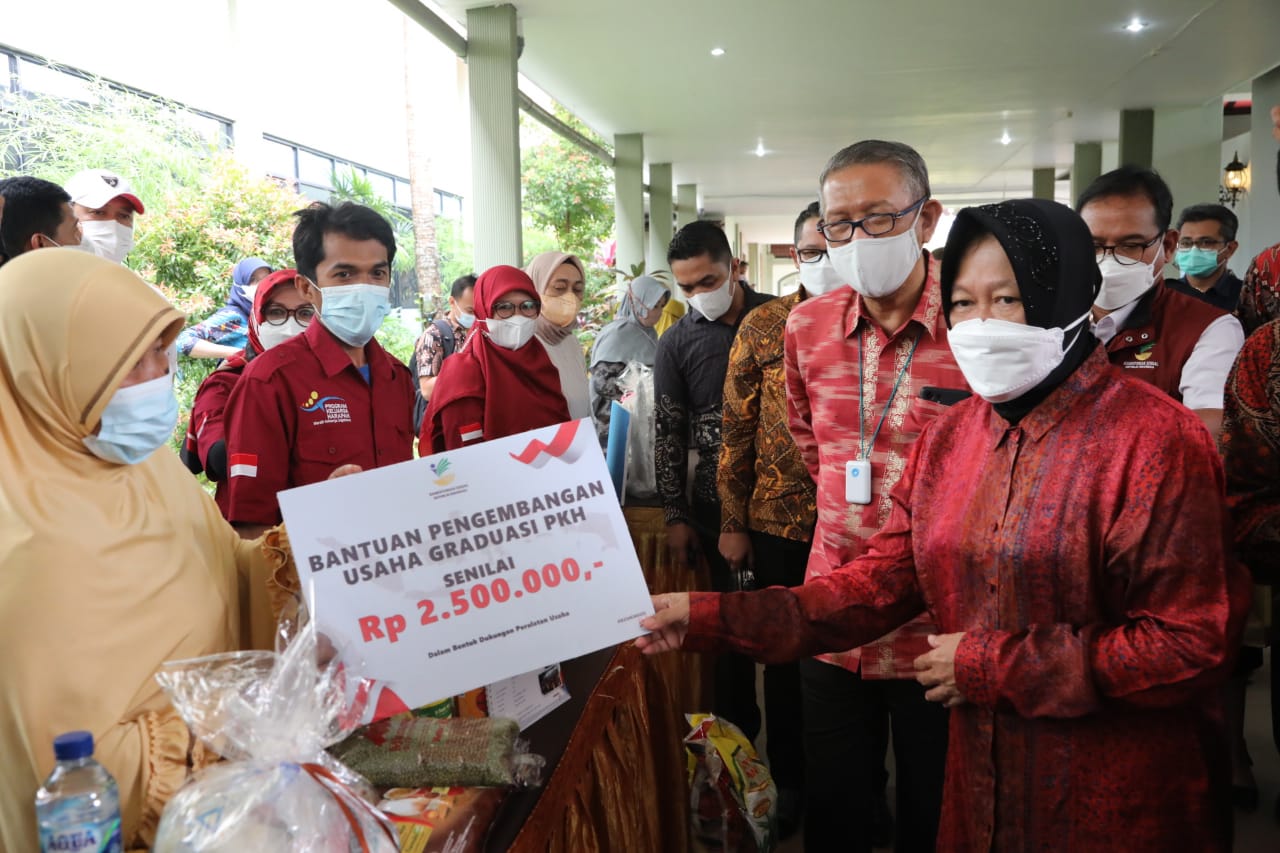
x,y
857,481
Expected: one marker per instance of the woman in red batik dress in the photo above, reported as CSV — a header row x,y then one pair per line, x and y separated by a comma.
x,y
1065,528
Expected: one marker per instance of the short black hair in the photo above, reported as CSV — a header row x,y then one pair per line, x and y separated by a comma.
x,y
810,212
1227,221
1128,181
462,284
31,206
700,237
349,219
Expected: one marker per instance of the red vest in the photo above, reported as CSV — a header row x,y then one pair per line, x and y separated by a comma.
x,y
1159,335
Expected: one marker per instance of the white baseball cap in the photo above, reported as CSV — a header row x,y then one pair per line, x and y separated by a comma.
x,y
95,187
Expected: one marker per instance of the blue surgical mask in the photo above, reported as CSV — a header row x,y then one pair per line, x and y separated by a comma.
x,y
1200,263
137,421
465,320
353,312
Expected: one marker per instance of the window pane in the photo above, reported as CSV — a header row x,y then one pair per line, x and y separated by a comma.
x,y
383,185
279,159
403,195
314,169
34,77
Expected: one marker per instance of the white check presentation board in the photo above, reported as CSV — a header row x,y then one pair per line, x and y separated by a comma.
x,y
450,572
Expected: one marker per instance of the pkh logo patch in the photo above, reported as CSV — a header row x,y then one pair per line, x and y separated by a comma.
x,y
1144,352
441,468
334,408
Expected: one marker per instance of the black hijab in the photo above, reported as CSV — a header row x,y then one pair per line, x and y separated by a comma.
x,y
1051,252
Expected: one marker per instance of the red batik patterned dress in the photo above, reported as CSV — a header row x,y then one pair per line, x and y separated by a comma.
x,y
1084,553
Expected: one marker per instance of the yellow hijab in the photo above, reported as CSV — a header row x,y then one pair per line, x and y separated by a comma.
x,y
106,570
673,312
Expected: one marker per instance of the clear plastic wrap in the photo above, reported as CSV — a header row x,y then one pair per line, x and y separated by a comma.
x,y
421,752
636,384
271,715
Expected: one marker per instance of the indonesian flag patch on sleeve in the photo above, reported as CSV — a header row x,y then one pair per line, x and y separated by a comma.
x,y
244,464
472,432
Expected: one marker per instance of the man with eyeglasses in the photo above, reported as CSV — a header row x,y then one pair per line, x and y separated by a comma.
x,y
1182,345
331,399
688,383
767,499
1206,241
867,367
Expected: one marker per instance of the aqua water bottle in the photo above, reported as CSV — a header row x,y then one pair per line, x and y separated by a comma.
x,y
78,807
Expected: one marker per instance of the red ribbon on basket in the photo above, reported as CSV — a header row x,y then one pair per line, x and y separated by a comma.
x,y
336,788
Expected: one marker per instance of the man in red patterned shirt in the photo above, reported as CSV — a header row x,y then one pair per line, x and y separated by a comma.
x,y
867,368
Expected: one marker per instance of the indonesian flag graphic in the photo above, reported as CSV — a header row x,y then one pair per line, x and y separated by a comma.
x,y
244,464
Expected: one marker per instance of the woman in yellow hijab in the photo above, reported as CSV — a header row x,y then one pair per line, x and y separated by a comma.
x,y
112,558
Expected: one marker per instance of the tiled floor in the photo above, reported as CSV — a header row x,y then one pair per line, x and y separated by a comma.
x,y
1255,833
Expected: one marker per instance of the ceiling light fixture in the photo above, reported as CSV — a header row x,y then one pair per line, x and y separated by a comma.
x,y
1136,25
717,51
760,150
1005,139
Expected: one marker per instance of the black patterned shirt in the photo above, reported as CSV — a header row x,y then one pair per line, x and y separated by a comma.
x,y
688,387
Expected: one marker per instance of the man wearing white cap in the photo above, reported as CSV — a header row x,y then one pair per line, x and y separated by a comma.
x,y
105,204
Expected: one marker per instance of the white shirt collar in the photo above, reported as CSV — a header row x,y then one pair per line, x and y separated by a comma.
x,y
1109,326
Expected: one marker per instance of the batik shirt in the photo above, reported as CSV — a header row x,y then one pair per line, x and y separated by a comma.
x,y
826,336
1260,296
225,327
1084,555
688,388
1250,443
764,484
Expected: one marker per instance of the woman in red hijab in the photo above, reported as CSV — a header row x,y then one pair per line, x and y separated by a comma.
x,y
279,313
502,382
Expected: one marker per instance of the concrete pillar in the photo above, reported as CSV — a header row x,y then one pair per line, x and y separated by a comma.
x,y
1186,146
1085,166
1042,182
686,204
1264,197
1135,137
628,198
492,53
660,231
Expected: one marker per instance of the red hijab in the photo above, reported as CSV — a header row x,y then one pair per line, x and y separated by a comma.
x,y
270,284
520,388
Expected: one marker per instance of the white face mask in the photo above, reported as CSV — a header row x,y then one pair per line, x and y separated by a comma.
x,y
714,303
877,266
820,277
109,239
1002,360
82,246
272,336
1122,284
512,333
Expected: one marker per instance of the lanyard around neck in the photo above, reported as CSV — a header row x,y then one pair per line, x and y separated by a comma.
x,y
864,450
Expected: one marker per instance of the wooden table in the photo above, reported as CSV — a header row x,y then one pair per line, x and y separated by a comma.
x,y
619,768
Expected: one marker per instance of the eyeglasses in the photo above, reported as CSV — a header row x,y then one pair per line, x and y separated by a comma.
x,y
507,310
278,315
1202,243
1125,253
874,225
810,256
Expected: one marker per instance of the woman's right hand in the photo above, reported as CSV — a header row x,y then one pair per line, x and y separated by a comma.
x,y
668,625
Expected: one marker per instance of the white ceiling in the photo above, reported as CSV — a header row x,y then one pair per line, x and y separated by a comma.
x,y
807,77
